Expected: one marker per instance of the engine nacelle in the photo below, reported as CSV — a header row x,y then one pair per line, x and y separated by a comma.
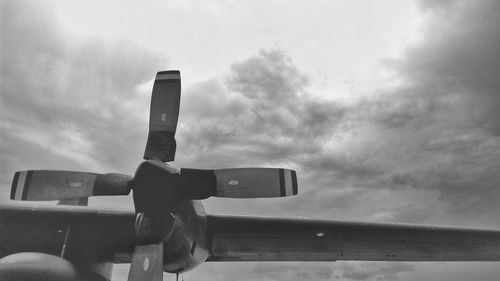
x,y
41,267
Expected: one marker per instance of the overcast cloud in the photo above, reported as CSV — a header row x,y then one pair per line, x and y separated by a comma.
x,y
423,149
64,98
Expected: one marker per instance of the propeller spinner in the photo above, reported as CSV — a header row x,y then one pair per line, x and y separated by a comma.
x,y
158,188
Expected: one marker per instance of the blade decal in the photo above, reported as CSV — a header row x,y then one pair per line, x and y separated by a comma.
x,y
294,183
13,188
26,184
282,182
147,263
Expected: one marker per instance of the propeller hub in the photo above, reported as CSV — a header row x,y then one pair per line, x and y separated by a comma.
x,y
156,194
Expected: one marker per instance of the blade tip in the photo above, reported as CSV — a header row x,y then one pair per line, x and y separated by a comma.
x,y
13,187
168,75
295,189
20,185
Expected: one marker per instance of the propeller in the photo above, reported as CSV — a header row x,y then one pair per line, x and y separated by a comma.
x,y
158,188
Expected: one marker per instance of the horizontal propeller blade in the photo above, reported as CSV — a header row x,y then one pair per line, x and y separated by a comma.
x,y
165,102
239,183
42,185
195,184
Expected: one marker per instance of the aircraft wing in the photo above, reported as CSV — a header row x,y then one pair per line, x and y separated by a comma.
x,y
44,228
271,239
233,238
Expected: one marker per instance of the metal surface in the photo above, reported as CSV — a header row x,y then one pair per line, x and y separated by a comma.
x,y
274,239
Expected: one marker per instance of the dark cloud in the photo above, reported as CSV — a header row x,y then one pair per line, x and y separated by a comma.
x,y
459,58
269,78
435,131
447,105
69,102
262,113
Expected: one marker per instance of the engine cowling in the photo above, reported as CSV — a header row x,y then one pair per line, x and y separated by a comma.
x,y
186,245
30,266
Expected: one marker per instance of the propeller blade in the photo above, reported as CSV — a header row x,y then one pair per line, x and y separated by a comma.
x,y
165,102
239,183
147,263
42,185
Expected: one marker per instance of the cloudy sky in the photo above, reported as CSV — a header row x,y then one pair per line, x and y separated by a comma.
x,y
388,110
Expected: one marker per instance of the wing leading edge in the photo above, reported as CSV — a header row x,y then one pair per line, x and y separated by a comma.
x,y
272,239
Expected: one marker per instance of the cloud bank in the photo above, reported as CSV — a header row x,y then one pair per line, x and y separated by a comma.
x,y
433,136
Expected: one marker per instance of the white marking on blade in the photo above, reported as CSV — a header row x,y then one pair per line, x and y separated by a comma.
x,y
170,76
233,182
288,182
163,117
145,265
20,185
320,234
75,184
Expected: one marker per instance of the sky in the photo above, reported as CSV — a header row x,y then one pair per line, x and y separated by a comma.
x,y
386,109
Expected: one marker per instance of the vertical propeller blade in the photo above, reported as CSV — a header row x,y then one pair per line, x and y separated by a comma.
x,y
163,117
44,185
239,183
147,263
